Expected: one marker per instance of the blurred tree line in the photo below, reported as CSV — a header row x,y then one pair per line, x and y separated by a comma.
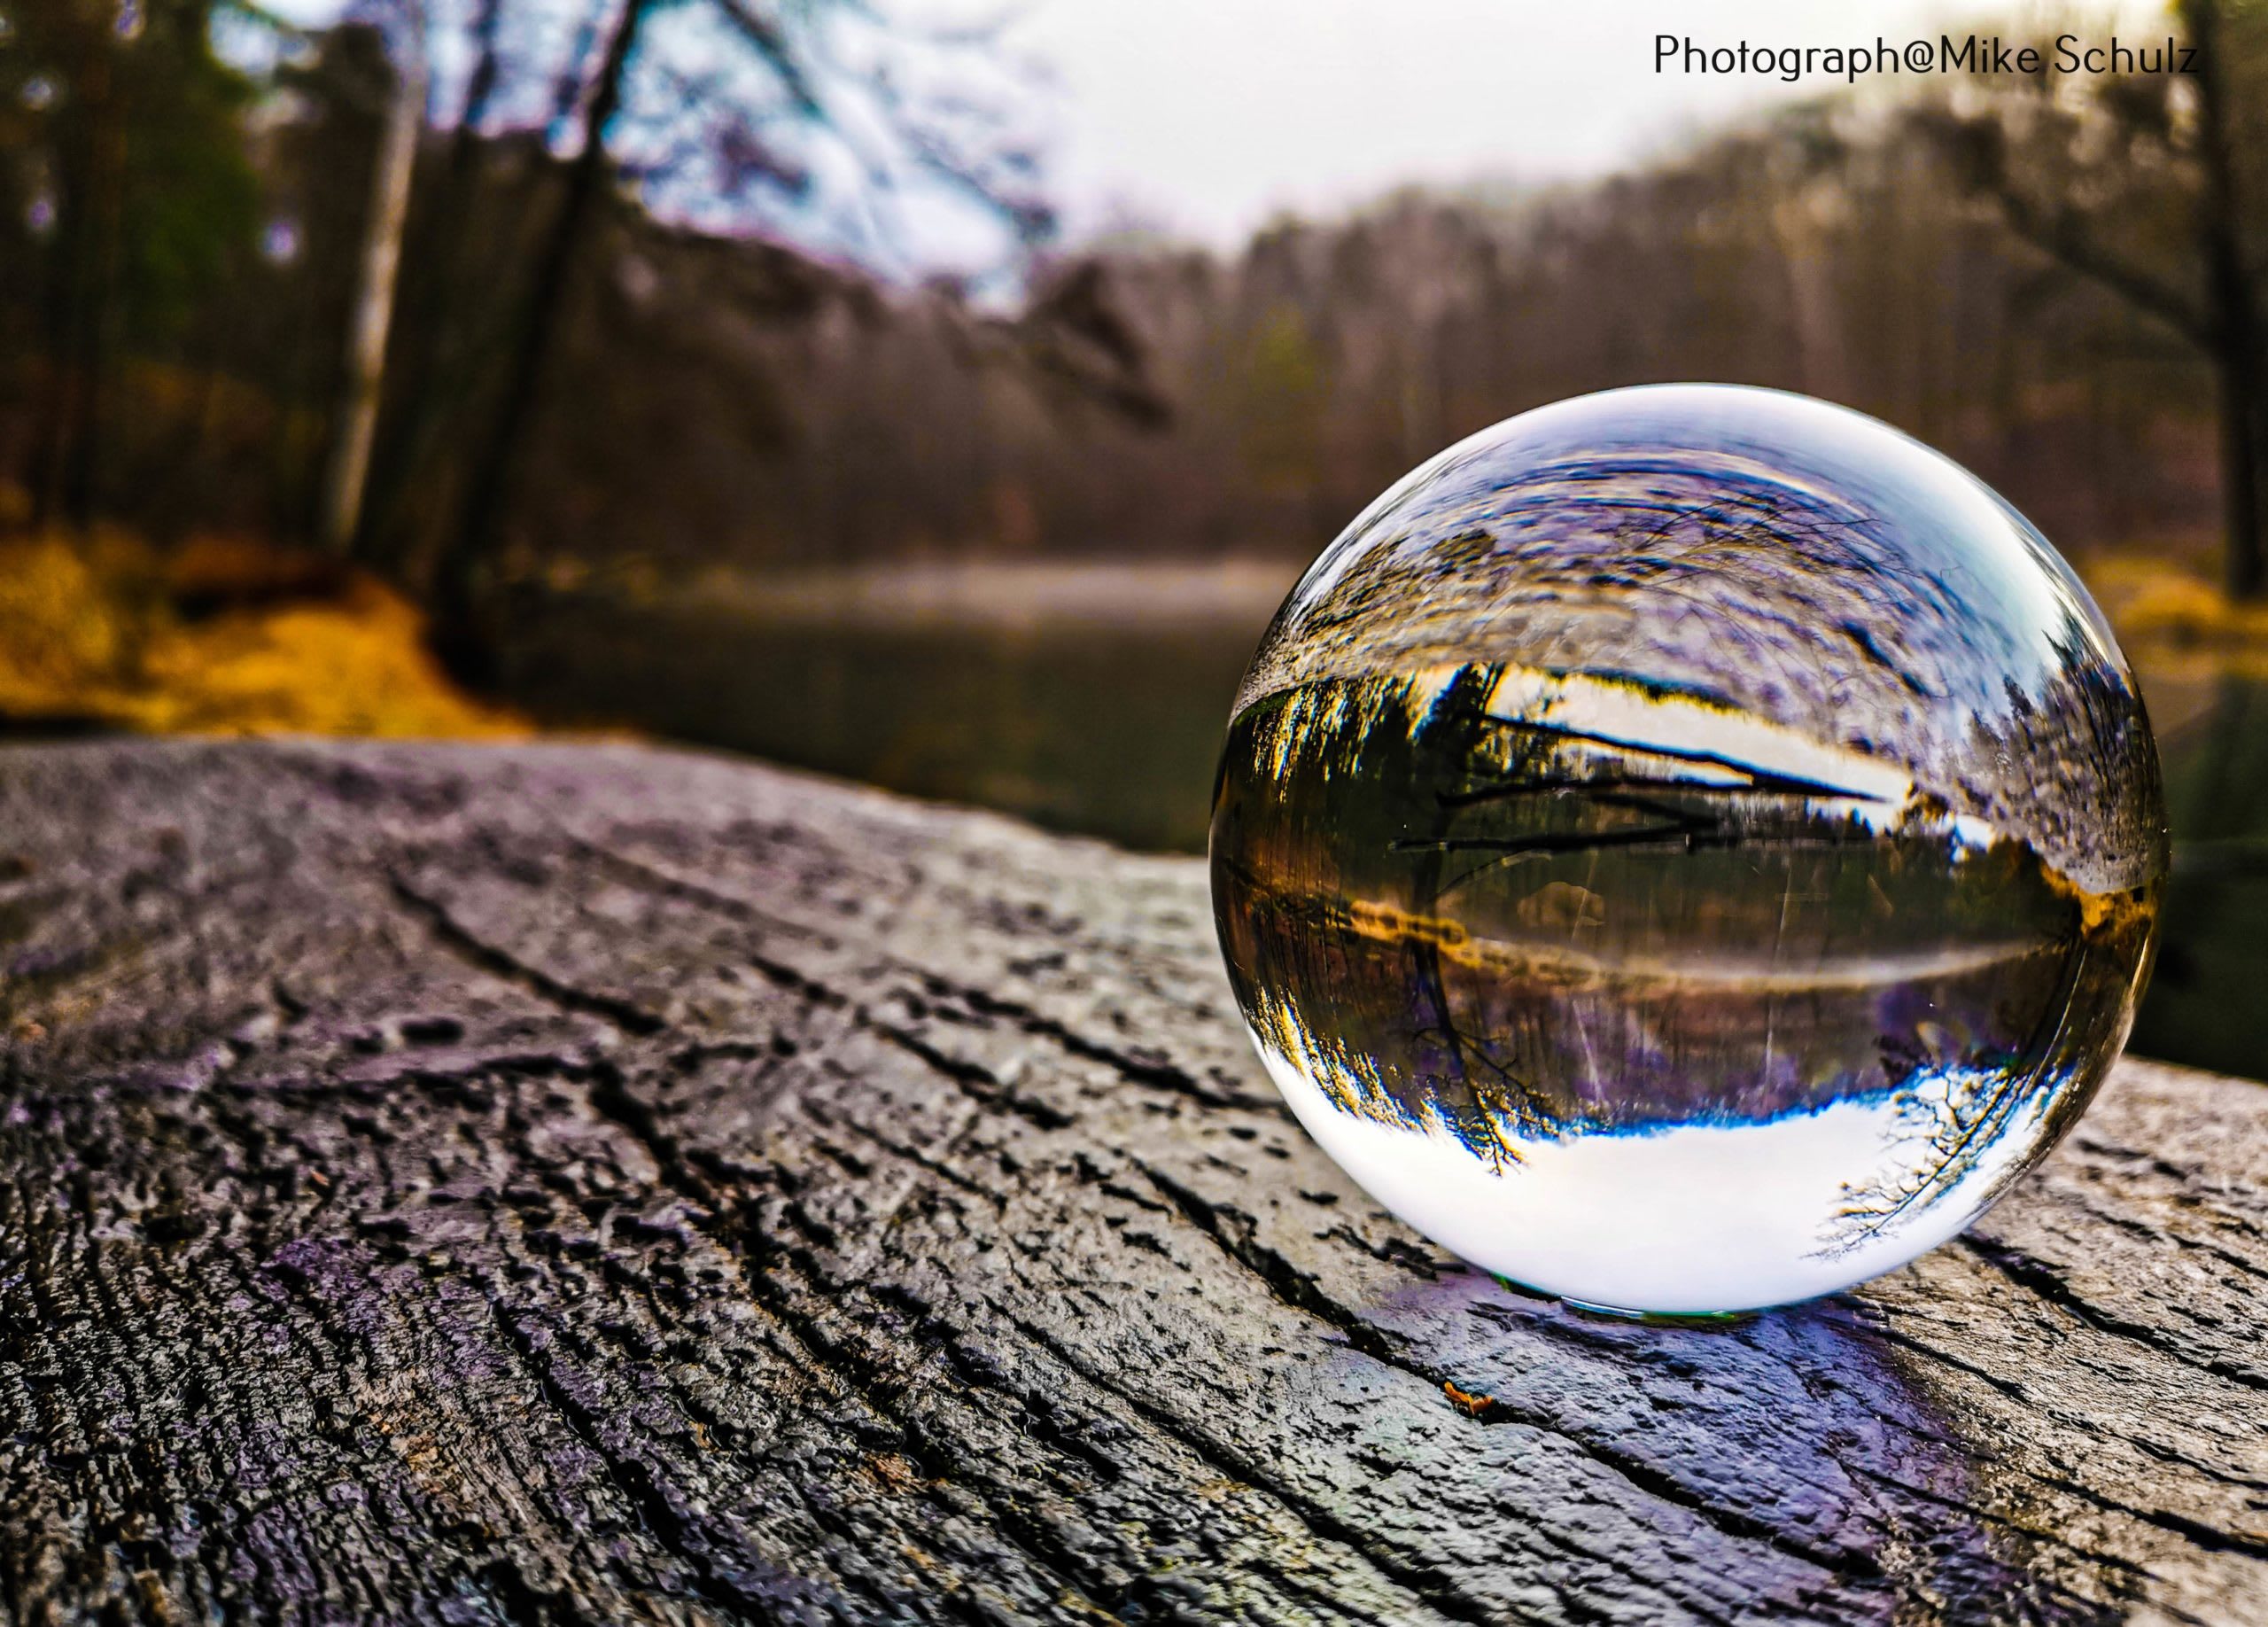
x,y
305,284
497,324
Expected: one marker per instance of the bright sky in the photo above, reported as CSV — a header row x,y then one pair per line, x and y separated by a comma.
x,y
1204,117
1208,116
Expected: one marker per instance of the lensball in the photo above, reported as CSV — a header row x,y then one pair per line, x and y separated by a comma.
x,y
1688,848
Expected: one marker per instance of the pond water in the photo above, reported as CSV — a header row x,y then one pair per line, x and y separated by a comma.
x,y
2206,1004
1098,705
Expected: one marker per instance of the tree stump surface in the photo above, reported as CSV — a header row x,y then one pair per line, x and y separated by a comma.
x,y
588,1183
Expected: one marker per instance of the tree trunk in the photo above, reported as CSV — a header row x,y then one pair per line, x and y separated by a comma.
x,y
82,284
429,381
580,1184
355,423
464,643
2234,315
2241,472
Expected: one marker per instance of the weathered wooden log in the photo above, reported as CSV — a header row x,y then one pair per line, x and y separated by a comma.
x,y
594,1184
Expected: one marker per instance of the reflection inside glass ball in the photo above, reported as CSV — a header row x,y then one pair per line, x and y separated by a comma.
x,y
1688,848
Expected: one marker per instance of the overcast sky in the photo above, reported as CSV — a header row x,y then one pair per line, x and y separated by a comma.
x,y
1204,117
1209,115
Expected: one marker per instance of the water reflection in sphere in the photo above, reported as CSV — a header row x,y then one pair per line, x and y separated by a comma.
x,y
1688,848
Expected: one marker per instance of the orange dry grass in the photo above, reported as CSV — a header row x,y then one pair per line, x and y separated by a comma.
x,y
91,631
2170,618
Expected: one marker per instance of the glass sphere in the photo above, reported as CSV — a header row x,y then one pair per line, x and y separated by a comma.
x,y
1689,848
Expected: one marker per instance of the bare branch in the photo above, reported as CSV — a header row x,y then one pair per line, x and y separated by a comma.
x,y
2060,234
770,42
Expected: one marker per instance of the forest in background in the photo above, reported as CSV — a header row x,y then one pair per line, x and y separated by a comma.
x,y
2059,281
475,365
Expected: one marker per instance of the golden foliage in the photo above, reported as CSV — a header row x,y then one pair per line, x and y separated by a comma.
x,y
98,630
2168,619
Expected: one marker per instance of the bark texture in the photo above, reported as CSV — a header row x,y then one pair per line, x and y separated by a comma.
x,y
576,1184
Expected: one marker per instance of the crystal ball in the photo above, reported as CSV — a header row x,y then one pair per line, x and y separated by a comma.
x,y
1688,848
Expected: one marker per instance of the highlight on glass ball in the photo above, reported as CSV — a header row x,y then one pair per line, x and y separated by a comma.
x,y
1688,848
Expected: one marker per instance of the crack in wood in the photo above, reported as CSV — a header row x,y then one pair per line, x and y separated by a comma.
x,y
838,1180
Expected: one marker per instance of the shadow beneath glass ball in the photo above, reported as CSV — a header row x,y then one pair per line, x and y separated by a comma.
x,y
1764,1460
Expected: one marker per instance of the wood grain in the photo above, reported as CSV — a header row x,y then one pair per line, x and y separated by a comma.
x,y
596,1184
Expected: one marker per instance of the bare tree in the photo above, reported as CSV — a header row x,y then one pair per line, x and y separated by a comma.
x,y
2136,182
458,582
355,422
88,40
724,135
2233,320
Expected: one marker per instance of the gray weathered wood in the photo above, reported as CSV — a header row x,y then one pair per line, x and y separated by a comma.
x,y
583,1183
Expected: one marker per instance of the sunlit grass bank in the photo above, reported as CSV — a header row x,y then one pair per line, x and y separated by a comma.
x,y
2170,618
221,637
